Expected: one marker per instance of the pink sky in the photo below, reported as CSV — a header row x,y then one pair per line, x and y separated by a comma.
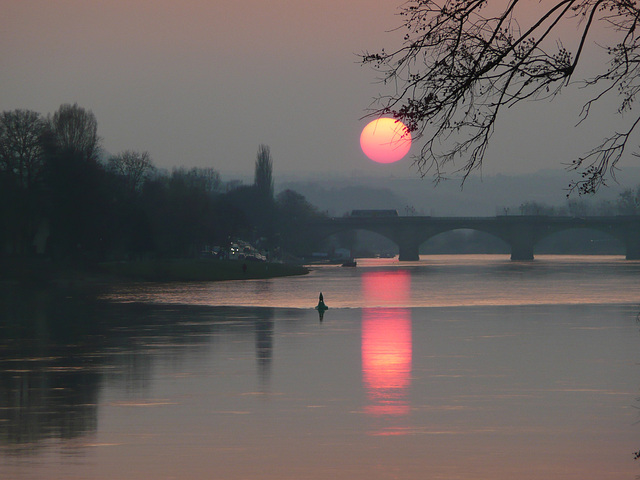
x,y
203,83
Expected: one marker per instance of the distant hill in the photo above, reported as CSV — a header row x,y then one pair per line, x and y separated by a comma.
x,y
485,196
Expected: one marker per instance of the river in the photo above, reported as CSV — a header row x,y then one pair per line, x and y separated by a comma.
x,y
453,367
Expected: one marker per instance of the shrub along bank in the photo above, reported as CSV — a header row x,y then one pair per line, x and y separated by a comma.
x,y
43,272
200,270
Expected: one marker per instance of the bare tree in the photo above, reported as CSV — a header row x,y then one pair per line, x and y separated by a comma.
x,y
629,202
264,171
209,177
133,167
464,61
21,152
74,129
206,180
21,171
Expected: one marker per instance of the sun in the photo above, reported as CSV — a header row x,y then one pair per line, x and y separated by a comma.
x,y
385,140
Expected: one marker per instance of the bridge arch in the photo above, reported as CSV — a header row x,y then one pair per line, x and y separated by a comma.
x,y
362,242
463,240
520,232
582,241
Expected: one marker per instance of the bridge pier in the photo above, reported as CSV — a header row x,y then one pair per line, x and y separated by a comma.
x,y
521,237
631,235
409,252
632,245
522,251
633,253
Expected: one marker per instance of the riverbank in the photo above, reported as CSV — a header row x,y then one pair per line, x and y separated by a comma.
x,y
37,271
200,270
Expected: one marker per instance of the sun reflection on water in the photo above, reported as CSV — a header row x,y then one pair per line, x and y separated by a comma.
x,y
386,344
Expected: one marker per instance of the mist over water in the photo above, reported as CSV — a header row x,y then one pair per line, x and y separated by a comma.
x,y
469,367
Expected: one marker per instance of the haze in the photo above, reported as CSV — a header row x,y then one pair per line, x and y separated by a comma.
x,y
202,84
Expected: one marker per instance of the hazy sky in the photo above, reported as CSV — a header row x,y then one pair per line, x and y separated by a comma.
x,y
204,82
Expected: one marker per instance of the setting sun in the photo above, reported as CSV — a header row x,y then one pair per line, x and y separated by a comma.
x,y
385,140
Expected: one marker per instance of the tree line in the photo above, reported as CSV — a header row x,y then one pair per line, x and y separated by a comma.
x,y
627,203
62,197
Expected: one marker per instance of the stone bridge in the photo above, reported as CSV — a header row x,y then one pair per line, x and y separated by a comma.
x,y
520,232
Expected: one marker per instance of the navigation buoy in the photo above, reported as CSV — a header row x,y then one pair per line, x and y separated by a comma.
x,y
321,307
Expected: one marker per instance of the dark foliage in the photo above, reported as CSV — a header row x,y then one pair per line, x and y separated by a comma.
x,y
54,186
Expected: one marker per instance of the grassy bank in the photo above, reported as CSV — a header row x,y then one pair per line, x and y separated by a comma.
x,y
43,272
199,270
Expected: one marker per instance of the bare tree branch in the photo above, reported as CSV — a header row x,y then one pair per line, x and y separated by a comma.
x,y
461,63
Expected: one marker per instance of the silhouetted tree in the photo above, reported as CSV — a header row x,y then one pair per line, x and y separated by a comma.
x,y
261,212
82,208
264,171
463,62
293,210
21,167
230,222
80,191
208,178
51,172
182,211
75,130
535,208
21,152
131,171
9,215
133,168
204,179
578,208
247,200
629,202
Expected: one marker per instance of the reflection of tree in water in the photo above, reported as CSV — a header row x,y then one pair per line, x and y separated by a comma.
x,y
49,377
57,352
264,343
264,333
47,399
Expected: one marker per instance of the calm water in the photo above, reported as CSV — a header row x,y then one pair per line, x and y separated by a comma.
x,y
456,367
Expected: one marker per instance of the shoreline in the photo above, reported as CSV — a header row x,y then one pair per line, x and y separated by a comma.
x,y
39,272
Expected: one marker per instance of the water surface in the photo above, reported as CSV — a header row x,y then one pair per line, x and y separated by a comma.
x,y
467,367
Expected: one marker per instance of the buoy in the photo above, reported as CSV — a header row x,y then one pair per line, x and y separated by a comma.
x,y
321,306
